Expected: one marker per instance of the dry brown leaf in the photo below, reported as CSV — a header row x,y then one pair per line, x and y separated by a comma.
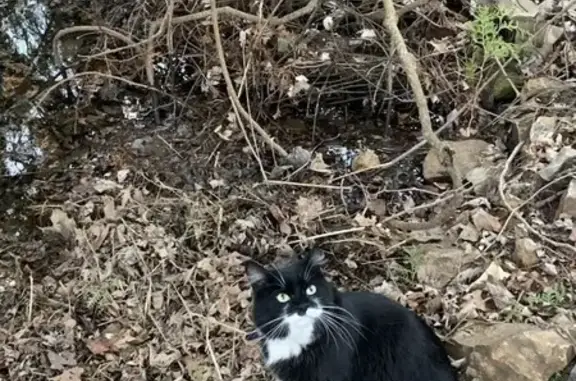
x,y
215,183
493,274
318,165
485,221
377,206
110,209
162,359
103,185
363,221
61,361
63,224
434,234
122,175
364,160
473,302
308,208
72,374
100,345
276,213
501,296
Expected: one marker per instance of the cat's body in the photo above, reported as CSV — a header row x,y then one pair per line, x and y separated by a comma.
x,y
312,332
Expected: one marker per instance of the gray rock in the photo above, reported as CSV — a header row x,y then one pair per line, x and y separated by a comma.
x,y
543,131
298,157
565,155
467,156
511,352
525,252
439,265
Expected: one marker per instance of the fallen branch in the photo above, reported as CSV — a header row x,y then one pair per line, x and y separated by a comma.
x,y
87,28
238,108
409,64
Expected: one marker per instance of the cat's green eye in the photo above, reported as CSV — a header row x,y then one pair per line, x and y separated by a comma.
x,y
311,290
282,297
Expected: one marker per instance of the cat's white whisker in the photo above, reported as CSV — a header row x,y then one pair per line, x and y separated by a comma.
x,y
281,279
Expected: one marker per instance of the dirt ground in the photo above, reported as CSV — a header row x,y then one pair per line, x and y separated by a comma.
x,y
120,255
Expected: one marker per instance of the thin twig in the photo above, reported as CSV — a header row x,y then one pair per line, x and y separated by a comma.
x,y
307,185
501,184
238,108
409,64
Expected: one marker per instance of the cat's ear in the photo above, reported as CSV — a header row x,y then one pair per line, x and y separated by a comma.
x,y
255,272
316,257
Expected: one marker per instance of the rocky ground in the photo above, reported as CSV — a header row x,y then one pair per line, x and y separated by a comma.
x,y
120,254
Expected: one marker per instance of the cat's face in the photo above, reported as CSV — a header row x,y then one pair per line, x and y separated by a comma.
x,y
289,299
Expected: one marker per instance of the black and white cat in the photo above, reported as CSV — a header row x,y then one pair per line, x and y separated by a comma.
x,y
310,331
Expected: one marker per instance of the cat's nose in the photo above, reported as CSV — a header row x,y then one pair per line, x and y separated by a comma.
x,y
301,309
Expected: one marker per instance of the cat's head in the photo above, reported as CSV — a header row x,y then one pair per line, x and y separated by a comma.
x,y
293,295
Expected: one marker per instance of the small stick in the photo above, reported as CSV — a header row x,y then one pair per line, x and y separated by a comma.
x,y
514,212
31,300
238,108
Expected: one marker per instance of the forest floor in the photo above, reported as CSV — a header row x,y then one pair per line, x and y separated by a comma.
x,y
121,251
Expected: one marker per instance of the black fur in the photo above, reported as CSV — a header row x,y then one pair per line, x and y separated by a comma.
x,y
388,342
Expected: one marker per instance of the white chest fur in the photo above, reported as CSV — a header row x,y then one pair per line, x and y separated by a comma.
x,y
300,335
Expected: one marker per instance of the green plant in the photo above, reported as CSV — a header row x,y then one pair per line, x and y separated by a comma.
x,y
413,260
470,68
552,297
490,24
556,377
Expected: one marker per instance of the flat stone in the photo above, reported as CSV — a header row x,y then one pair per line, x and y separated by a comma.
x,y
566,155
511,352
439,265
525,252
467,156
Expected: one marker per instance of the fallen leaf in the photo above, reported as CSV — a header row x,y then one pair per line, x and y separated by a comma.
x,y
215,183
62,224
110,209
364,160
363,221
100,345
377,206
434,234
61,361
163,360
501,296
485,221
72,374
122,175
318,165
308,208
472,303
493,274
103,185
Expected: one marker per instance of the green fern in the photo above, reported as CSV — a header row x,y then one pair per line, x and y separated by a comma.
x,y
486,31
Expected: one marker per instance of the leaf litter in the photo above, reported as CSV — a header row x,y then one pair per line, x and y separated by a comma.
x,y
132,278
